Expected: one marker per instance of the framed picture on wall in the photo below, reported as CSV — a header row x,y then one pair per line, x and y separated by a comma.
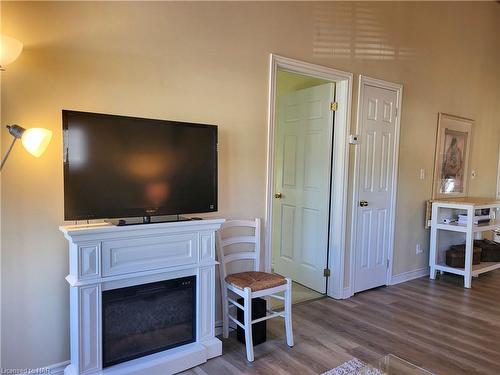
x,y
451,166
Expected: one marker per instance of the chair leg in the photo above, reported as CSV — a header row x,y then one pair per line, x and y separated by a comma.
x,y
248,324
288,313
225,313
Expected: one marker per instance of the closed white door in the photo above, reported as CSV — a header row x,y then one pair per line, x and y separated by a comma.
x,y
377,158
303,159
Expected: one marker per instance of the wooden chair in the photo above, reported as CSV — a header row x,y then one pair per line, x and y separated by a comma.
x,y
248,285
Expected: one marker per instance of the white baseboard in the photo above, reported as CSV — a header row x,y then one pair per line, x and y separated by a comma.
x,y
410,275
58,368
347,293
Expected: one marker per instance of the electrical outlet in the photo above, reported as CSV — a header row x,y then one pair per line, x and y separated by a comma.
x,y
418,249
422,173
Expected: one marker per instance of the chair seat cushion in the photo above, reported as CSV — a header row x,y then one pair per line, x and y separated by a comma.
x,y
255,280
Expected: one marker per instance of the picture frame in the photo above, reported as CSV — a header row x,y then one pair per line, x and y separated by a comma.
x,y
451,161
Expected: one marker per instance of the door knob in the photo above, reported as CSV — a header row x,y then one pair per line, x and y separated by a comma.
x,y
363,203
278,195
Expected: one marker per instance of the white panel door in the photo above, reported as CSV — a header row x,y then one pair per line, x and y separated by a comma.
x,y
374,184
303,159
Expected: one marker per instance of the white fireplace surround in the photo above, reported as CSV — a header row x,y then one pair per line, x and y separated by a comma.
x,y
104,257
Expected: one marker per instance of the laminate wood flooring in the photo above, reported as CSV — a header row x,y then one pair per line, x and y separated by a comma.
x,y
435,324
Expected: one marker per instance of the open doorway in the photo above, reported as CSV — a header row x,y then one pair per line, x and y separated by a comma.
x,y
303,162
309,112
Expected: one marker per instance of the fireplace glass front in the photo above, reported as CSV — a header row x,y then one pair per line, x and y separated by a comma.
x,y
149,318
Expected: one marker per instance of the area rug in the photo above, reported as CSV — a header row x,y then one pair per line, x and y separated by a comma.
x,y
352,367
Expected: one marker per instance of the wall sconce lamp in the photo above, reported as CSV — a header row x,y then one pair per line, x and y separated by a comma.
x,y
34,140
10,49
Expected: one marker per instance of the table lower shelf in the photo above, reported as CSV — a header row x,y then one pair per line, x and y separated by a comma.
x,y
476,269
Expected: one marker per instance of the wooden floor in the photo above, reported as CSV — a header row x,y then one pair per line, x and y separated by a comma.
x,y
300,294
435,324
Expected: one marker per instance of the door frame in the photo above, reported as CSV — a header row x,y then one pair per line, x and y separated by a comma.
x,y
340,167
398,88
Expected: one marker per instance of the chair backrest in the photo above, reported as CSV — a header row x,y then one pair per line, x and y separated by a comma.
x,y
225,238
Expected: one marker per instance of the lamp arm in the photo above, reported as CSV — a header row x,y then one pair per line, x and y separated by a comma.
x,y
4,159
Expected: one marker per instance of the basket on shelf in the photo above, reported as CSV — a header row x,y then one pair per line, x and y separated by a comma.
x,y
490,250
455,257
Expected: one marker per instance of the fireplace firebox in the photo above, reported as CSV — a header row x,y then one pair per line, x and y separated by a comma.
x,y
148,318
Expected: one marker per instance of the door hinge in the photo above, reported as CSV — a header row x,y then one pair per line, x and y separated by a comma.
x,y
334,106
326,272
387,263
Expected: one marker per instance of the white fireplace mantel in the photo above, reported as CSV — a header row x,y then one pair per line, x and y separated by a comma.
x,y
104,257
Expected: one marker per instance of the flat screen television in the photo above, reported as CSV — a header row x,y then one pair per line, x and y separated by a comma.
x,y
119,167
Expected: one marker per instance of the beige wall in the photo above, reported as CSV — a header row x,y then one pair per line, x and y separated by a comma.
x,y
208,62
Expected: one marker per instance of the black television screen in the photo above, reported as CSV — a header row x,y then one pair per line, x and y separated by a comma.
x,y
117,166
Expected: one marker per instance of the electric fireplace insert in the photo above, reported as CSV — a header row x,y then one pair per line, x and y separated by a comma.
x,y
148,318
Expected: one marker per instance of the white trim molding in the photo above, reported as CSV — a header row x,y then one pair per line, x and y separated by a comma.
x,y
58,368
409,275
398,88
347,293
340,169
